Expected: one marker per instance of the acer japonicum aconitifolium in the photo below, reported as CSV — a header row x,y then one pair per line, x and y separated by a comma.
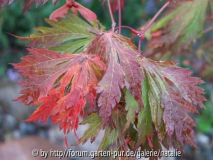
x,y
140,103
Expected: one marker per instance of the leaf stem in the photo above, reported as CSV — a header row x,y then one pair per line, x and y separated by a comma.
x,y
139,44
208,30
119,16
154,18
111,15
130,28
141,34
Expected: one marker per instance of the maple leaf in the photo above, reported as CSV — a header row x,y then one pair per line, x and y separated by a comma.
x,y
169,92
74,6
59,84
173,93
95,127
144,118
177,30
55,82
58,37
132,106
123,69
119,120
116,140
146,135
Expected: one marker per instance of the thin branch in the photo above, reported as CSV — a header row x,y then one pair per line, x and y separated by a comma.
x,y
111,15
119,16
142,33
139,43
208,30
130,28
153,19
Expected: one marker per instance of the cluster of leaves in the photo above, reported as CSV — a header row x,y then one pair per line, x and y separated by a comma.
x,y
176,33
178,29
140,103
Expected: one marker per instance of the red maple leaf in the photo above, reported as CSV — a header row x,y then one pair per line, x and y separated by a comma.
x,y
173,91
60,84
123,70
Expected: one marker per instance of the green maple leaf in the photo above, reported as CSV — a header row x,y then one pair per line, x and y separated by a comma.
x,y
173,93
178,29
132,106
144,118
69,35
95,127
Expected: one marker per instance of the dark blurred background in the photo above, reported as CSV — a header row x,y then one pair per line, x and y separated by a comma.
x,y
20,138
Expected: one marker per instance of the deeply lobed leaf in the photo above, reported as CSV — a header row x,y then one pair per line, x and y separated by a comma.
x,y
96,125
173,93
117,138
144,125
70,35
157,95
123,70
60,84
177,30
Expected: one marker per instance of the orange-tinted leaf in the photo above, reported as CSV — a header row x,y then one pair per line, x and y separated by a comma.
x,y
59,83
